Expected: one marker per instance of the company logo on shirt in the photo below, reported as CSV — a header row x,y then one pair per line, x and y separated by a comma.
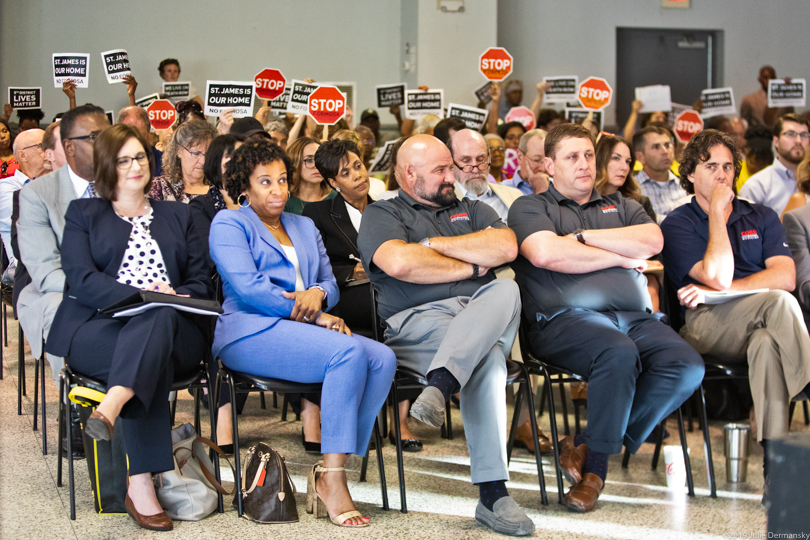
x,y
609,209
460,217
750,235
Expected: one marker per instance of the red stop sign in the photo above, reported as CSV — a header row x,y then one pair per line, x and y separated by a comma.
x,y
595,93
496,64
269,84
688,124
326,105
162,114
521,114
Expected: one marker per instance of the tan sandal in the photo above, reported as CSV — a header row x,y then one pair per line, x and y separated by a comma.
x,y
315,503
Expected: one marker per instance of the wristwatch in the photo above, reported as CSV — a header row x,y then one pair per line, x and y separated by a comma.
x,y
323,302
425,242
475,271
578,234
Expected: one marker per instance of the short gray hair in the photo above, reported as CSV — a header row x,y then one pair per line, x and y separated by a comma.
x,y
134,110
523,145
278,126
493,136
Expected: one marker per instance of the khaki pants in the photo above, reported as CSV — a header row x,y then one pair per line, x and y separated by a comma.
x,y
768,330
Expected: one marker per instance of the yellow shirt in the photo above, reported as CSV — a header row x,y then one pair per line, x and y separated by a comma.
x,y
745,174
674,168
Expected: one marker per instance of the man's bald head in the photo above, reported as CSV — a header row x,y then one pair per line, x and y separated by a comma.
x,y
424,170
470,154
28,152
136,117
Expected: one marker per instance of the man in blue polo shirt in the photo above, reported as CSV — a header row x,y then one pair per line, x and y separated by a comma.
x,y
718,242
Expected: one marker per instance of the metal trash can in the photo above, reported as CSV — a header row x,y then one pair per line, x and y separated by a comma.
x,y
736,451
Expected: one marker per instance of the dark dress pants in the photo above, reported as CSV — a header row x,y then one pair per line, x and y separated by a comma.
x,y
143,353
638,370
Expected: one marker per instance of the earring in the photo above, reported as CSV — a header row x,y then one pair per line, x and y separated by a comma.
x,y
242,201
337,189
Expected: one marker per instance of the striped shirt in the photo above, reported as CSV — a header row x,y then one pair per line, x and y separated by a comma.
x,y
665,196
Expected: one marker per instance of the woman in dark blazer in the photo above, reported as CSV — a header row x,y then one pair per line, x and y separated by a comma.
x,y
112,247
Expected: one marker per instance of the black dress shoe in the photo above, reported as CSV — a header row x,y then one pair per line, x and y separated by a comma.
x,y
226,449
408,445
310,447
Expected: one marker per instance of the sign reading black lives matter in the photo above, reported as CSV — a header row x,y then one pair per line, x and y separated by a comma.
x,y
419,104
176,90
784,94
473,117
147,100
116,65
389,95
717,101
71,66
575,116
482,93
382,162
25,98
299,96
223,95
561,89
279,105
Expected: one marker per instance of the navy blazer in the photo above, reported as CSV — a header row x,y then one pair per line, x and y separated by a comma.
x,y
255,271
93,247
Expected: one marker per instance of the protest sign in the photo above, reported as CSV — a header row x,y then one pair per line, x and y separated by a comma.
x,y
510,164
269,83
495,64
162,114
419,103
389,95
177,91
223,95
717,101
382,162
482,93
146,100
677,109
299,96
562,89
71,66
575,116
326,105
655,98
473,117
521,114
595,93
110,117
687,125
784,94
25,98
116,65
279,105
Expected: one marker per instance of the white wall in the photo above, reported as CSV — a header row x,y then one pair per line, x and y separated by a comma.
x,y
578,37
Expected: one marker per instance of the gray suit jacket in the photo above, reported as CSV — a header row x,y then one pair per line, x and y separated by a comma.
x,y
797,228
43,204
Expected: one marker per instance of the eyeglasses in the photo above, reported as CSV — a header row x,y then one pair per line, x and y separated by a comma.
x,y
309,163
195,155
497,149
91,137
792,134
125,163
481,164
34,146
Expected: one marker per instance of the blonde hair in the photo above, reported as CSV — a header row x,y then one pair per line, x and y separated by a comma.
x,y
190,133
426,123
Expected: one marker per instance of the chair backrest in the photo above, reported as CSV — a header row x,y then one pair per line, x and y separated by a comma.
x,y
670,305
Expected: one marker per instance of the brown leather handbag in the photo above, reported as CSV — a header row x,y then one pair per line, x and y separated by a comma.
x,y
270,497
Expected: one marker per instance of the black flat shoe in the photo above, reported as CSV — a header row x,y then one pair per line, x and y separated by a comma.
x,y
310,447
226,448
408,445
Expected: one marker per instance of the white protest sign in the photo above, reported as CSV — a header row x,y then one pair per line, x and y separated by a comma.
x,y
299,96
562,89
473,117
575,116
147,100
655,98
71,66
717,101
419,103
25,98
176,91
390,94
382,162
677,109
482,93
279,105
783,94
223,95
116,65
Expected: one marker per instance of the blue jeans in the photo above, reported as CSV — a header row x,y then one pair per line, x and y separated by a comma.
x,y
356,373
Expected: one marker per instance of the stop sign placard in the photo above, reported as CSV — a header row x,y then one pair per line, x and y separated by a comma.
x,y
688,124
495,64
594,93
269,84
162,114
521,114
326,105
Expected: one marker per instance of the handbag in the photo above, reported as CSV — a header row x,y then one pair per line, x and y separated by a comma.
x,y
189,492
271,495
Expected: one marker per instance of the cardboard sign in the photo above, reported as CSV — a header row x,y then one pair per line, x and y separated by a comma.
x,y
299,94
521,114
269,84
71,67
223,95
162,114
562,90
419,104
495,64
116,65
474,117
510,164
655,98
147,100
389,95
382,161
179,91
575,116
326,105
687,125
110,117
595,93
782,94
482,93
279,105
717,101
25,98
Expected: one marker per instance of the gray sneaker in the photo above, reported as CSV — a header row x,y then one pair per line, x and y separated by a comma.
x,y
429,407
506,518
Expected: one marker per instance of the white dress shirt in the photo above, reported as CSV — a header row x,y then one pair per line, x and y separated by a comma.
x,y
7,188
79,183
772,187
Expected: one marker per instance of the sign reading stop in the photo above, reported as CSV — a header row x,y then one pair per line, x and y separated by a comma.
x,y
161,114
688,124
495,64
595,93
269,84
326,105
521,114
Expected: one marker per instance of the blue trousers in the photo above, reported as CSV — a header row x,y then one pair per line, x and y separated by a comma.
x,y
638,370
356,373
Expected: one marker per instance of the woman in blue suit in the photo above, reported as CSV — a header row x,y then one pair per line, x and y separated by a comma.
x,y
278,285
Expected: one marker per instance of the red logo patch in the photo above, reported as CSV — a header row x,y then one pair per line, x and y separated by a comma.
x,y
460,217
609,209
749,235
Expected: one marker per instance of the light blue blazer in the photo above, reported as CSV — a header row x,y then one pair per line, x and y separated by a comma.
x,y
255,271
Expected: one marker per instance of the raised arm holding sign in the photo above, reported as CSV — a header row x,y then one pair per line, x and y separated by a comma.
x,y
25,98
116,65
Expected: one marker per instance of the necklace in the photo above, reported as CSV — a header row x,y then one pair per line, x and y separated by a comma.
x,y
271,227
146,206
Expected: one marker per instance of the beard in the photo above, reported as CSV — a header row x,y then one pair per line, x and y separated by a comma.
x,y
789,156
477,185
444,196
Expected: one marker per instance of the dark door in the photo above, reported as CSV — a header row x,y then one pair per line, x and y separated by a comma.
x,y
686,60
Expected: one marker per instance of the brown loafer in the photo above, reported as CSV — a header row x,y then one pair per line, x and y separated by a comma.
x,y
572,459
98,427
156,522
582,497
523,439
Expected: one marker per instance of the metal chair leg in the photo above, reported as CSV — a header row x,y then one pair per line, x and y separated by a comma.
x,y
36,391
566,427
174,408
542,400
554,436
364,464
261,399
448,420
213,409
71,479
538,460
806,413
577,427
626,458
513,428
685,447
707,445
236,457
284,409
44,416
400,465
659,442
61,431
381,464
21,360
275,400
196,394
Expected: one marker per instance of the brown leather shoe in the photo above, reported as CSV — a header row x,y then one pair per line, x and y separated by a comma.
x,y
572,459
523,439
98,427
582,497
156,522
579,391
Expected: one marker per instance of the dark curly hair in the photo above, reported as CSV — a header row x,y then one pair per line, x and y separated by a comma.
x,y
246,158
699,151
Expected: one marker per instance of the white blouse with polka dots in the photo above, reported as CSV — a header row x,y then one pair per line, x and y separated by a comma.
x,y
142,264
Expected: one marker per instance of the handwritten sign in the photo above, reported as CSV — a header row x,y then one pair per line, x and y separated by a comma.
x,y
223,95
116,65
25,98
71,67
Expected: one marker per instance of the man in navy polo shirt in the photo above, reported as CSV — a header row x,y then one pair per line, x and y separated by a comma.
x,y
718,242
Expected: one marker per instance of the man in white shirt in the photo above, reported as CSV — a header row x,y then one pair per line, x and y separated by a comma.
x,y
655,150
773,186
